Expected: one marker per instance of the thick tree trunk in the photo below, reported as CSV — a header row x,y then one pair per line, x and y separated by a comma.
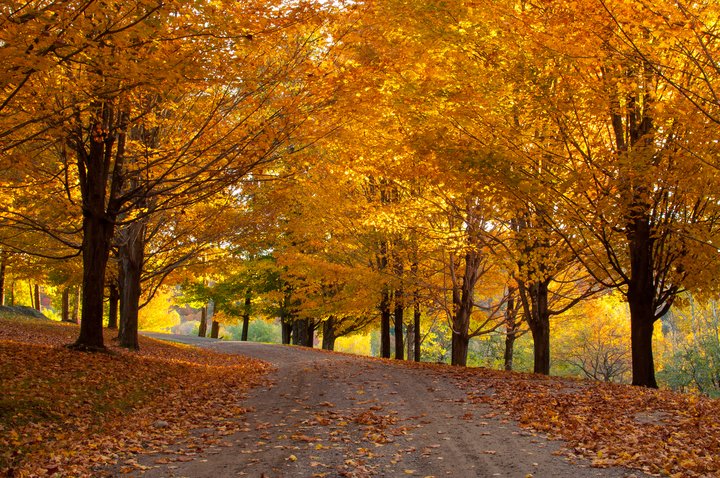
x,y
416,336
540,328
65,312
328,334
385,324
215,330
297,335
96,248
286,331
132,251
306,333
38,306
202,330
541,346
113,302
642,318
460,344
99,213
463,303
302,332
246,316
535,304
641,299
398,324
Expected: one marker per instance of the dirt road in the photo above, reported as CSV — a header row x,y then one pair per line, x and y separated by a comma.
x,y
330,415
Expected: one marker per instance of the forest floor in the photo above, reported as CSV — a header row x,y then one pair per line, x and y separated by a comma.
x,y
179,411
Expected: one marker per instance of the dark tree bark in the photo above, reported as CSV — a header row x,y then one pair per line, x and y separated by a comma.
x,y
535,303
113,302
385,324
246,316
94,169
286,330
75,317
202,330
511,329
328,334
398,324
634,135
65,312
12,294
37,297
410,341
416,336
297,336
132,252
303,332
641,299
215,330
463,303
3,265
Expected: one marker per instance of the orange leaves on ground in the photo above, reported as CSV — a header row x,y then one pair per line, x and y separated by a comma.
x,y
657,431
78,413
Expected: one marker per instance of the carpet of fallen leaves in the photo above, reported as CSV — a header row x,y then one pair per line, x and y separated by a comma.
x,y
657,431
67,413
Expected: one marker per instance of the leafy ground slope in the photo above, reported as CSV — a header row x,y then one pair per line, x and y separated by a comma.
x,y
65,413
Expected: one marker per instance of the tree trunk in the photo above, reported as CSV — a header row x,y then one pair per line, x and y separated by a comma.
x,y
32,295
132,251
463,303
642,318
65,312
286,331
310,334
416,320
38,306
302,332
398,324
410,341
113,302
511,328
2,277
12,294
202,330
215,330
246,316
541,346
534,300
509,349
460,344
328,334
385,324
297,336
641,299
75,317
94,164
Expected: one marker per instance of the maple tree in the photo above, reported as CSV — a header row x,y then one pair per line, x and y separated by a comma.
x,y
149,137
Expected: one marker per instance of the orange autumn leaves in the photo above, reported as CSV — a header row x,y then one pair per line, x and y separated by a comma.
x,y
78,414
